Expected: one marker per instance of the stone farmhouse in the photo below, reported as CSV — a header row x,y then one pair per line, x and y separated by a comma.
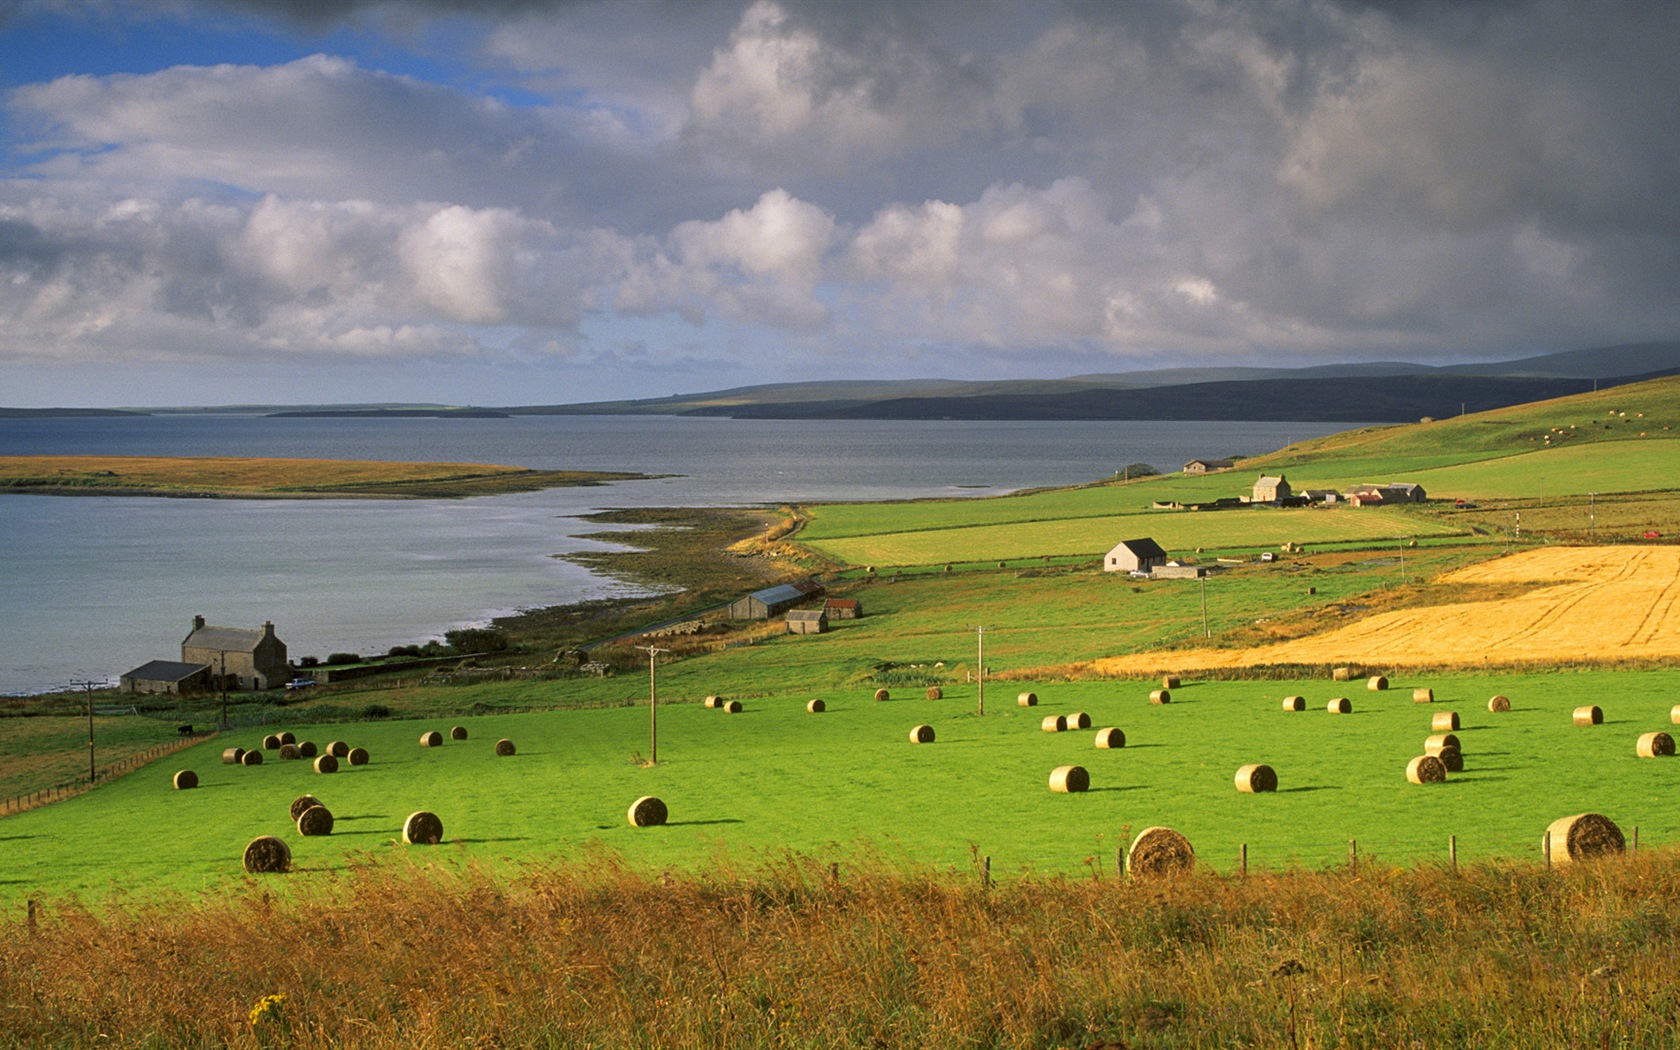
x,y
1208,466
211,655
1140,555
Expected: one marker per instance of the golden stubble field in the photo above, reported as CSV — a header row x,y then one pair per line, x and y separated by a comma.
x,y
1596,604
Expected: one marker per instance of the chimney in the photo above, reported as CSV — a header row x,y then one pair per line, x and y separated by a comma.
x,y
198,623
268,628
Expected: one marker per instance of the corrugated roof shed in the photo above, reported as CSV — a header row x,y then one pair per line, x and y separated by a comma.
x,y
166,671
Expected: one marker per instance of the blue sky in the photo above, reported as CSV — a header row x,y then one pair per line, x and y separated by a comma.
x,y
518,201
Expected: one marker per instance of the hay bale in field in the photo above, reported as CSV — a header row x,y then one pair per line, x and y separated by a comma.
x,y
816,707
1499,704
1342,674
357,756
1170,681
882,694
935,693
1444,722
326,764
1376,683
1294,703
1341,705
287,737
505,748
271,742
1423,696
1078,720
232,755
1160,696
186,779
1069,779
922,734
1432,745
432,738
1255,778
251,758
733,707
1581,837
316,820
1027,700
1674,714
1053,723
301,803
714,701
290,753
1426,769
1589,715
458,732
1159,851
1111,737
266,854
338,749
1452,758
648,811
422,828
1655,745
307,749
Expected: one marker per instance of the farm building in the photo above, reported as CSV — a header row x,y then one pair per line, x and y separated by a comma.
x,y
843,608
1271,489
772,601
807,621
1178,572
1208,466
1322,495
256,659
168,677
1138,555
1390,492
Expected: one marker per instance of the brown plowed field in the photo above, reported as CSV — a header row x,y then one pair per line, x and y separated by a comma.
x,y
1605,604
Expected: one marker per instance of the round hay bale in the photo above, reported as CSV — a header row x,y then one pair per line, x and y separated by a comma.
x,y
1432,745
1170,681
338,749
301,803
433,738
287,737
186,779
1589,715
422,828
271,742
816,707
1160,696
1423,696
232,755
1255,778
1655,745
1444,722
290,753
307,749
1340,706
458,732
251,758
882,694
1078,720
1674,714
1159,851
316,820
648,811
922,734
1426,769
935,693
1053,723
505,748
1499,704
714,701
357,756
326,764
733,707
1376,683
1027,700
1452,758
1069,779
1294,703
266,854
1582,837
1111,738
1342,674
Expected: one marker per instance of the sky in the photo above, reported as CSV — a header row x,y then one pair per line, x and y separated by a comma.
x,y
514,202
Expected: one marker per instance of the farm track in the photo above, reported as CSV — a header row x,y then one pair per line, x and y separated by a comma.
x,y
1603,604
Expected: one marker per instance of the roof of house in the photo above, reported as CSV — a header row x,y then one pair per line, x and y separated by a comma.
x,y
785,592
228,639
808,586
1143,547
1274,479
1218,464
808,614
841,603
166,671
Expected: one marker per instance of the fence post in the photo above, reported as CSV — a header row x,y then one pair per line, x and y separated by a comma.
x,y
1243,854
1546,847
986,872
1636,838
1353,854
1452,850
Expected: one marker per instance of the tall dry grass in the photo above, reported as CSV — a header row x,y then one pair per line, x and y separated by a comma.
x,y
591,953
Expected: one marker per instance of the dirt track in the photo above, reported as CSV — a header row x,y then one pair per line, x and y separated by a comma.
x,y
1606,604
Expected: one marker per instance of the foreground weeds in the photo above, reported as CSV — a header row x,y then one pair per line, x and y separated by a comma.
x,y
804,955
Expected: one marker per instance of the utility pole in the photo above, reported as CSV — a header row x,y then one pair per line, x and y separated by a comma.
x,y
221,683
1592,515
653,704
89,687
1206,633
980,661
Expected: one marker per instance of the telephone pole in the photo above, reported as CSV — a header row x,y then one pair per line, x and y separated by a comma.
x,y
653,704
980,661
89,687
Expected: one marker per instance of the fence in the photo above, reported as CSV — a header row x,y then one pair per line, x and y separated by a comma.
x,y
59,792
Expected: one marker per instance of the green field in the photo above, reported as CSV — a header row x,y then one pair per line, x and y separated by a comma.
x,y
847,784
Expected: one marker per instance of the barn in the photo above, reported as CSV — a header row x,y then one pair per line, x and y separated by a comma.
x,y
807,621
1208,466
170,677
843,608
1139,555
772,601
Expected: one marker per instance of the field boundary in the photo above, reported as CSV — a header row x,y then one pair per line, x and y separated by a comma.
x,y
70,789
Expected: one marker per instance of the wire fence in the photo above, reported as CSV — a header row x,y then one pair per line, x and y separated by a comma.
x,y
104,774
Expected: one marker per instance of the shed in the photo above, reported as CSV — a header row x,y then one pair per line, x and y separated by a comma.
x,y
1138,555
1178,572
1207,466
772,601
1270,489
843,608
167,676
807,621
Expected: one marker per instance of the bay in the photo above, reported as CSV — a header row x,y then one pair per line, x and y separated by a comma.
x,y
94,586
